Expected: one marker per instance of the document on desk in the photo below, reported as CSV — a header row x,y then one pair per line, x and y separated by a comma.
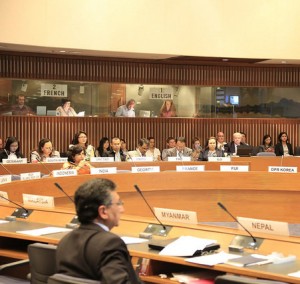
x,y
212,259
44,231
132,240
295,274
3,221
186,246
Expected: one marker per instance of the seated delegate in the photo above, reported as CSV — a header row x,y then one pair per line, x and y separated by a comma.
x,y
76,160
45,150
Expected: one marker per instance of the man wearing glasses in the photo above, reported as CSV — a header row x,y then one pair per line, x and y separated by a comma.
x,y
92,251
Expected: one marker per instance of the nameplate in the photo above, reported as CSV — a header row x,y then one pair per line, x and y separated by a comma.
x,y
28,176
5,195
191,168
179,216
219,159
64,173
142,159
56,160
99,171
38,200
154,169
288,170
265,226
5,179
102,159
15,161
176,159
234,168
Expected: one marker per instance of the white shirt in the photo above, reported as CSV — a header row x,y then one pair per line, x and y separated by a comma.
x,y
124,111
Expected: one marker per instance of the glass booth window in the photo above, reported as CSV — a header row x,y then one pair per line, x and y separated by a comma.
x,y
51,98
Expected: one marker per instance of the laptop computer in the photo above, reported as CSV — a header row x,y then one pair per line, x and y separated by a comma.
x,y
244,151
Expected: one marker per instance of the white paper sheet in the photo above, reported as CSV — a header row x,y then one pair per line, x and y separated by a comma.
x,y
212,259
186,246
44,231
132,240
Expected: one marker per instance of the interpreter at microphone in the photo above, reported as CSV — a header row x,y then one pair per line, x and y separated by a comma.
x,y
45,150
11,149
210,150
76,160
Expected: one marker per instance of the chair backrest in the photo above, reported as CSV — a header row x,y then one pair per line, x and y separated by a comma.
x,y
42,259
297,151
234,279
269,154
65,279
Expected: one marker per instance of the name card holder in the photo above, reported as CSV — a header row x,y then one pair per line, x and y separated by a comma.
x,y
219,159
29,176
154,169
56,160
287,170
178,159
234,168
38,200
172,215
141,159
5,179
15,161
99,171
191,168
64,173
265,226
102,159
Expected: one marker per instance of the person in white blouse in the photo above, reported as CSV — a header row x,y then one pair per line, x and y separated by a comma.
x,y
65,109
11,149
81,139
153,152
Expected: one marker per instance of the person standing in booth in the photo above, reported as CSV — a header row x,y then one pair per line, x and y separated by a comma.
x,y
92,251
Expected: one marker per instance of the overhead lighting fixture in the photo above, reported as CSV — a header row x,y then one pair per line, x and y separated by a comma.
x,y
225,59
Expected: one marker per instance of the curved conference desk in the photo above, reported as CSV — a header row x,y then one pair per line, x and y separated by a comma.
x,y
254,194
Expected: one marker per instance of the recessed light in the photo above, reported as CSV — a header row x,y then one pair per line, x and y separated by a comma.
x,y
62,51
283,62
225,59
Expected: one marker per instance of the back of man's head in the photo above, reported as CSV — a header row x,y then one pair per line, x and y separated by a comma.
x,y
90,195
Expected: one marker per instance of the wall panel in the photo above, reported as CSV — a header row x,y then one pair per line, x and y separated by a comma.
x,y
117,70
61,130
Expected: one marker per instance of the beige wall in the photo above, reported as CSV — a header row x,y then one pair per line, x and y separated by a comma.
x,y
228,28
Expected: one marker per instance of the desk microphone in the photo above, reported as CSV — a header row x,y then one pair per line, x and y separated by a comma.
x,y
61,189
43,164
132,160
20,212
74,221
142,195
252,245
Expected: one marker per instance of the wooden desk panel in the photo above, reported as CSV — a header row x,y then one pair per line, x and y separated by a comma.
x,y
8,237
258,195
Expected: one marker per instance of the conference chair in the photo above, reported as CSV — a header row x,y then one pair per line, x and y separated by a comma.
x,y
234,279
12,265
297,151
266,154
65,279
42,258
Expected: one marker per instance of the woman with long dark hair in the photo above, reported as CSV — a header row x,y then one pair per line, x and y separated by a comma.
x,y
11,149
283,147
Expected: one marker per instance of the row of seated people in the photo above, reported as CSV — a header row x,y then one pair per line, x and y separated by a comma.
x,y
215,147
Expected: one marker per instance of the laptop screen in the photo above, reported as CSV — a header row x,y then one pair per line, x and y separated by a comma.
x,y
244,151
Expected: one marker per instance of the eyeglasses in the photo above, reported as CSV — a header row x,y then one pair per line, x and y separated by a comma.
x,y
119,203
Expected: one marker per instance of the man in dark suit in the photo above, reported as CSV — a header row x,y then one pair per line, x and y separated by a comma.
x,y
180,150
92,251
237,138
116,151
